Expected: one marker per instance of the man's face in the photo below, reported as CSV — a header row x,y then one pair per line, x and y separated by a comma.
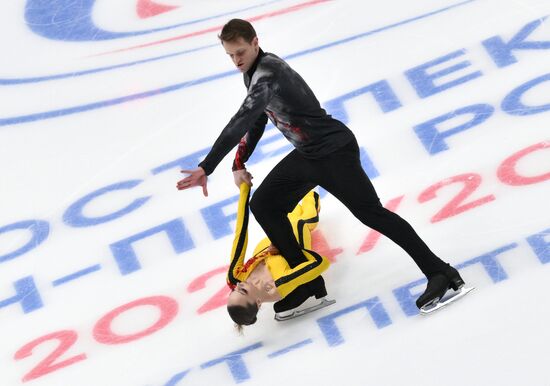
x,y
242,54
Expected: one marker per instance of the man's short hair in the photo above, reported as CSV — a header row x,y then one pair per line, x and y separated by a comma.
x,y
235,29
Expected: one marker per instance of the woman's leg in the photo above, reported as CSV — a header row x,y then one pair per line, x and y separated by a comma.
x,y
305,217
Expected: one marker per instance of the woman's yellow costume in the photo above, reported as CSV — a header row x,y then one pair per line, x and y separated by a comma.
x,y
304,219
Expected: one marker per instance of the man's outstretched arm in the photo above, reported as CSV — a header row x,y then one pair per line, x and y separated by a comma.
x,y
253,106
251,109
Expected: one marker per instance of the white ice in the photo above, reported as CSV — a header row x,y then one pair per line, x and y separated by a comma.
x,y
497,335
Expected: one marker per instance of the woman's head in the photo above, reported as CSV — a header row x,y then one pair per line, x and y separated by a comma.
x,y
243,304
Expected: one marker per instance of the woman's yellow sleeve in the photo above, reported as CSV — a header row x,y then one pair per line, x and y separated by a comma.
x,y
240,241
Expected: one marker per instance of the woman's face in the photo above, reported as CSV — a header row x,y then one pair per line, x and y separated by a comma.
x,y
243,294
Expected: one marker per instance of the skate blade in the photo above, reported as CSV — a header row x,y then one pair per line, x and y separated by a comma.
x,y
428,309
282,316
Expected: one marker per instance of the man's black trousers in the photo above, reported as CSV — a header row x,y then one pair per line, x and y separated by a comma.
x,y
341,174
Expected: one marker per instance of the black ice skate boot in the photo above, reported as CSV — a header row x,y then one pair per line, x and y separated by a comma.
x,y
306,298
317,287
438,285
297,297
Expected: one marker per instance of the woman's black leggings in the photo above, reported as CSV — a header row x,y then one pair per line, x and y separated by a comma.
x,y
341,174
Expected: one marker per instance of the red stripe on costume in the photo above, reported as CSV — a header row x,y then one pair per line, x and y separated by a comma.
x,y
248,264
238,164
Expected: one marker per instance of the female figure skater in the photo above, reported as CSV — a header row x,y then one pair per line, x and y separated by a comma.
x,y
266,276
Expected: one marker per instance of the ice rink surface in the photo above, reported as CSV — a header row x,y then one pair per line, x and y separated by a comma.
x,y
109,276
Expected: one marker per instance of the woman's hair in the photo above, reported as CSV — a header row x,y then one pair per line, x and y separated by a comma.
x,y
243,315
235,29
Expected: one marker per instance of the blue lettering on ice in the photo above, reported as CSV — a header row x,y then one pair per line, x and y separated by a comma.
x,y
26,294
177,378
373,305
235,362
367,164
540,244
39,229
186,162
381,91
76,275
489,262
407,299
424,83
74,217
126,257
512,102
433,138
219,223
289,348
501,52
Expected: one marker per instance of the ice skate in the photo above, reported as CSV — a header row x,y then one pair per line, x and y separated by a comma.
x,y
307,307
307,298
434,297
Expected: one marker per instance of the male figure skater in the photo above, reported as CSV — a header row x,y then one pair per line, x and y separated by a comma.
x,y
326,154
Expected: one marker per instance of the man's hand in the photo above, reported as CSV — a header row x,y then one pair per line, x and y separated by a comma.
x,y
241,176
196,177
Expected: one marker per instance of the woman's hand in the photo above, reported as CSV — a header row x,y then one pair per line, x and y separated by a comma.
x,y
242,175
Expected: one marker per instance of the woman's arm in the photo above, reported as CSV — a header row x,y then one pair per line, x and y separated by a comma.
x,y
240,241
